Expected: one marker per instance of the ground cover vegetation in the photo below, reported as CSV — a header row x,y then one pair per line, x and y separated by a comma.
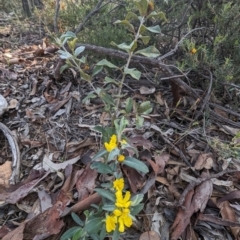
x,y
119,119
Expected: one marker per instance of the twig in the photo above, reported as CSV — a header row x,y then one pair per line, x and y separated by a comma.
x,y
56,16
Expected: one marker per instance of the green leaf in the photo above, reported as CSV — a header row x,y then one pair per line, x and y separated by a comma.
x,y
94,237
100,129
126,23
106,194
110,80
113,154
137,209
69,233
145,108
77,219
94,225
79,50
101,167
142,6
131,16
64,67
96,70
150,51
129,105
139,121
68,34
116,235
99,154
160,15
145,39
85,76
109,208
136,199
106,98
128,48
64,54
89,96
154,29
136,164
78,234
133,72
105,62
103,233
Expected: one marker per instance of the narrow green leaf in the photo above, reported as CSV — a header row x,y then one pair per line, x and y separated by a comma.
x,y
110,80
109,208
142,6
136,199
105,62
136,164
64,54
137,209
89,96
77,219
154,29
68,34
99,154
145,108
85,76
106,194
79,50
139,121
94,225
150,51
145,39
131,16
101,167
64,67
107,98
96,70
78,234
133,72
126,23
113,154
69,233
129,105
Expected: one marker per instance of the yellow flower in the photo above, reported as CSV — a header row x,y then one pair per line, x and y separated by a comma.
x,y
193,50
124,218
110,223
122,202
123,141
118,184
121,158
112,144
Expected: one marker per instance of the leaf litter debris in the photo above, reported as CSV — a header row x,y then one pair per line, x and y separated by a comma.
x,y
193,183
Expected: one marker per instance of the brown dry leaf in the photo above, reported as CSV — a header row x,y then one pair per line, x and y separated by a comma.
x,y
151,235
161,160
48,222
86,182
13,104
204,161
16,234
196,200
146,90
183,217
5,173
139,141
135,179
228,213
202,193
105,118
159,98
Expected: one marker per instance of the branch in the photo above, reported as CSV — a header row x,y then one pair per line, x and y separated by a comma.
x,y
94,11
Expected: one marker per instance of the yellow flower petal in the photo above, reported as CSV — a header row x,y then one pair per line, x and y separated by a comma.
x,y
122,202
112,143
118,184
117,212
121,158
193,50
121,225
110,223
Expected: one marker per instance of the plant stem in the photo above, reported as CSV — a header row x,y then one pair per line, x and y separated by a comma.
x,y
127,65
